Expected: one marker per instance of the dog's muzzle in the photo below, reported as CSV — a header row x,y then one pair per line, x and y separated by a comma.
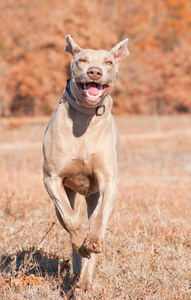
x,y
93,91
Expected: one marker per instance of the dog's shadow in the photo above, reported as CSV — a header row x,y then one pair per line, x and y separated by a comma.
x,y
40,264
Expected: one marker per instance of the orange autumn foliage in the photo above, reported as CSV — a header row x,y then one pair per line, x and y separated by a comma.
x,y
156,78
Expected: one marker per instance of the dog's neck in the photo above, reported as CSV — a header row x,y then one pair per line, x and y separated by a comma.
x,y
98,111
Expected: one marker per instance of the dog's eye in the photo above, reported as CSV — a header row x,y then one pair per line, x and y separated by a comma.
x,y
82,60
109,62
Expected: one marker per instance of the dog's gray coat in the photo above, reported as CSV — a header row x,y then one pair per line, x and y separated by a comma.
x,y
81,151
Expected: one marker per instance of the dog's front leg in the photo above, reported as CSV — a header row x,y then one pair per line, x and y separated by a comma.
x,y
66,215
99,217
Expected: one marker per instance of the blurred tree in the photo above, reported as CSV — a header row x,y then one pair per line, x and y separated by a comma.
x,y
34,68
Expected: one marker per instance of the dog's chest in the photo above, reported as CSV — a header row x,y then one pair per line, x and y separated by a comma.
x,y
79,175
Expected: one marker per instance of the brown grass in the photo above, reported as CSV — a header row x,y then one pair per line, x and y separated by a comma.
x,y
147,251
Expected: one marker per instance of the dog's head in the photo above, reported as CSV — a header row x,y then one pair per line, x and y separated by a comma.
x,y
93,71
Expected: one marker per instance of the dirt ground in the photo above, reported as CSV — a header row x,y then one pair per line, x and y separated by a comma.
x,y
147,251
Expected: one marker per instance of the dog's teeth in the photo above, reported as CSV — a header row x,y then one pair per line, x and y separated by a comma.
x,y
84,86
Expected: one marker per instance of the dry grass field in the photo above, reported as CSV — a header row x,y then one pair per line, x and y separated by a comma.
x,y
147,250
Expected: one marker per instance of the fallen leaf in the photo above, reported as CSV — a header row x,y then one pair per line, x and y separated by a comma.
x,y
25,280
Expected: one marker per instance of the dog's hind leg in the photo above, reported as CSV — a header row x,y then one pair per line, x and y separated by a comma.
x,y
76,259
71,196
85,282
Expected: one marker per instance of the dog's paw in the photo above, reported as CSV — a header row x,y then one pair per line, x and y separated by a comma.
x,y
93,243
79,286
84,287
77,238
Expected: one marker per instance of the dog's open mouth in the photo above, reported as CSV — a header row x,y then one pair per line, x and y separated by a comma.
x,y
93,91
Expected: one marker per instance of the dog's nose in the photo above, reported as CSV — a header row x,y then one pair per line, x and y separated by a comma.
x,y
95,73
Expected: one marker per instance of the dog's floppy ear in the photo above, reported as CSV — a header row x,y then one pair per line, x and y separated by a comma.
x,y
120,51
72,47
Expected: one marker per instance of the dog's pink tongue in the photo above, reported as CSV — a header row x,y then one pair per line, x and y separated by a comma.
x,y
92,89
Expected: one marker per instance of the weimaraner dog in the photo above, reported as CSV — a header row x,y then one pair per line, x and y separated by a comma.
x,y
81,147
